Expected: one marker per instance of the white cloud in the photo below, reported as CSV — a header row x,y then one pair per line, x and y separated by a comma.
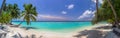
x,y
71,6
94,1
87,15
64,12
100,1
93,16
49,17
43,17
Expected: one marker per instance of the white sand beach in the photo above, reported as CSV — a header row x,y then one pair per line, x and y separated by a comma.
x,y
50,34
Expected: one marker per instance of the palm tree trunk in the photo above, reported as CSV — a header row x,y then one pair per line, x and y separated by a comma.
x,y
114,12
20,23
97,6
2,6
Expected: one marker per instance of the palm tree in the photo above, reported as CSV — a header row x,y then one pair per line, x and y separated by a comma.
x,y
14,11
2,6
108,12
5,18
114,12
97,6
95,19
29,13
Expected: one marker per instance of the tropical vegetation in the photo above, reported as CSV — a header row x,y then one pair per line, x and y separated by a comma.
x,y
2,6
29,13
5,18
108,11
8,12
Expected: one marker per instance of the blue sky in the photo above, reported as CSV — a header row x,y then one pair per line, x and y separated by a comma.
x,y
60,10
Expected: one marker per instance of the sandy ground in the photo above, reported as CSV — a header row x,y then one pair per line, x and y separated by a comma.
x,y
50,34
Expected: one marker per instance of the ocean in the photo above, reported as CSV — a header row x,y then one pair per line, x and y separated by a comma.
x,y
55,26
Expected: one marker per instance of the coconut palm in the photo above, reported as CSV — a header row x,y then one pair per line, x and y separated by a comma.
x,y
5,18
2,6
97,6
107,12
96,17
114,12
14,11
29,13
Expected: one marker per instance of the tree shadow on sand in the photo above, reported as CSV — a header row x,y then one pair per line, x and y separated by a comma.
x,y
34,36
104,27
90,34
27,28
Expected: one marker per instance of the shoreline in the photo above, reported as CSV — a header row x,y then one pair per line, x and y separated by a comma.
x,y
52,34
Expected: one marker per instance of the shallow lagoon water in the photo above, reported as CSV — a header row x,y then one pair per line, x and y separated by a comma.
x,y
56,25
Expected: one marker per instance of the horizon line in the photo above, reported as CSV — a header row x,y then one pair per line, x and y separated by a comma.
x,y
53,21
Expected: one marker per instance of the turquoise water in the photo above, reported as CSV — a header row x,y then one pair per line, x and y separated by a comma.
x,y
55,25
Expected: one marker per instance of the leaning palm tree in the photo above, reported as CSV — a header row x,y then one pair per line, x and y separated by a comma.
x,y
29,13
14,11
2,6
114,12
104,13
